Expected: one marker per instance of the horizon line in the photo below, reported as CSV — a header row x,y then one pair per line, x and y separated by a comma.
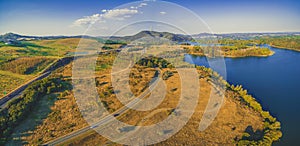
x,y
215,33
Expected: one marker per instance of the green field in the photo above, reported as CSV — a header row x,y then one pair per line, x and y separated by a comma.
x,y
49,48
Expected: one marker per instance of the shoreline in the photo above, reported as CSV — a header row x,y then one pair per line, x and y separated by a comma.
x,y
229,56
285,48
268,55
273,127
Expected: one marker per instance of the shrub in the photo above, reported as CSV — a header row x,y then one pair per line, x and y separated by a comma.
x,y
166,75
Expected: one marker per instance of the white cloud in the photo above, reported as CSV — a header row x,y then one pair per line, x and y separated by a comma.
x,y
87,20
139,6
116,14
142,4
163,13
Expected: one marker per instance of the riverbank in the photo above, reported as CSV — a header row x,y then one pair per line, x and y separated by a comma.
x,y
285,48
242,56
231,56
273,81
271,131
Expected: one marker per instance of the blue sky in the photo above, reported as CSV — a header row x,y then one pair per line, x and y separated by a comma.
x,y
59,17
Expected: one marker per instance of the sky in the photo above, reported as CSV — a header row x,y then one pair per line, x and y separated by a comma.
x,y
107,17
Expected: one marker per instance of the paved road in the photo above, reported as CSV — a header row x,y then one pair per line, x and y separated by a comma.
x,y
18,91
108,118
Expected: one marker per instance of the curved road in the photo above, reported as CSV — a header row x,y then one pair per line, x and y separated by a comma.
x,y
108,118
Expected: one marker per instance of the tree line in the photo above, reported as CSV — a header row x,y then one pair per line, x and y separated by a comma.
x,y
154,62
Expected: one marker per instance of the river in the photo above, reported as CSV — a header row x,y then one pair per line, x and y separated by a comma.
x,y
274,81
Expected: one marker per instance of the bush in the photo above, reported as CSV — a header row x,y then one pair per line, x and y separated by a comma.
x,y
166,75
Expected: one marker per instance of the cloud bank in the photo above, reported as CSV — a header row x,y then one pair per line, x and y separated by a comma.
x,y
116,14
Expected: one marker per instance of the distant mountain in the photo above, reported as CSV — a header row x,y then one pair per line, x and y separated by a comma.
x,y
142,34
242,35
12,38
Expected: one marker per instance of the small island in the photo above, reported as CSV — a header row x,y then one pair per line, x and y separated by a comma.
x,y
230,51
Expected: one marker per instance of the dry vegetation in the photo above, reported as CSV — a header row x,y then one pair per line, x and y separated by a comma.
x,y
139,79
55,115
64,118
10,81
26,65
229,125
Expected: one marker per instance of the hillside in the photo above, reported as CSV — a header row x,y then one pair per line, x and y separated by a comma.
x,y
167,35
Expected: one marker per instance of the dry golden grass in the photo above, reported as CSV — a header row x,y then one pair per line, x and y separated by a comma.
x,y
64,118
140,77
26,65
229,124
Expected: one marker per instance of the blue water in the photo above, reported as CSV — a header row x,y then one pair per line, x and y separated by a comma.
x,y
274,81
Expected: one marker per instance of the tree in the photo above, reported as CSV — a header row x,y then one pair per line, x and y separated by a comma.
x,y
150,64
170,66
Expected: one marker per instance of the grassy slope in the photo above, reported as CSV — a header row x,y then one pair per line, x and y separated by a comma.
x,y
10,81
30,57
221,131
26,65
